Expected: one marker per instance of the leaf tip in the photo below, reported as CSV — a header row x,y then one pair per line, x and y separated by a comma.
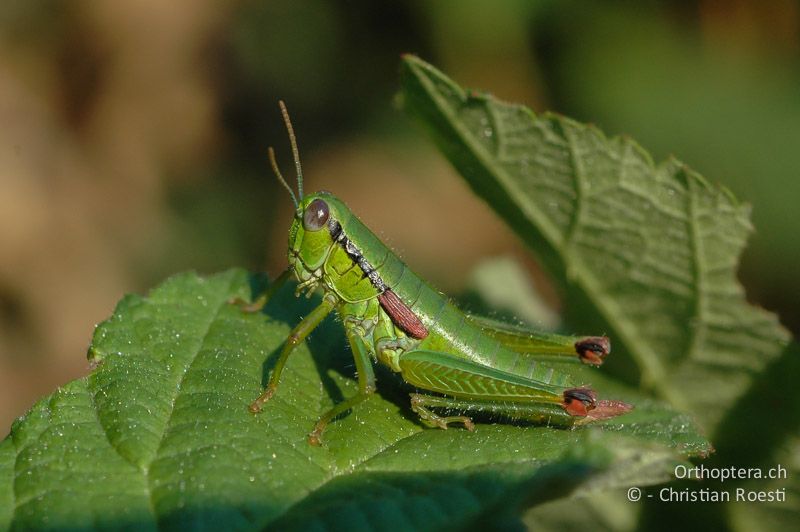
x,y
420,73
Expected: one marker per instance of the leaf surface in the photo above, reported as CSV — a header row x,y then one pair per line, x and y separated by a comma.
x,y
159,435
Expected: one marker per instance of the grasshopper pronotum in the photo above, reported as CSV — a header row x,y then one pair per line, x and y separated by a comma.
x,y
392,316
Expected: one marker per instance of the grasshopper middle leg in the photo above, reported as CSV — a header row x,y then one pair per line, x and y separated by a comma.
x,y
366,385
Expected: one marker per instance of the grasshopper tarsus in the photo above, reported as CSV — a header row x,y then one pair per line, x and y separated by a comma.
x,y
465,421
238,301
256,406
432,419
315,436
247,306
258,304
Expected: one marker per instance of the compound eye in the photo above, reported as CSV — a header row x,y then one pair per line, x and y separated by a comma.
x,y
316,215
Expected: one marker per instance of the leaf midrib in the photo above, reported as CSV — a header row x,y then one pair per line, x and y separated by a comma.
x,y
178,387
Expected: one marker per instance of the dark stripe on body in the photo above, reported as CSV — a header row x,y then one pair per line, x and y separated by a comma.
x,y
398,311
355,254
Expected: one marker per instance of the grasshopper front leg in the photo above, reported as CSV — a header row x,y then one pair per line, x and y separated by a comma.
x,y
259,303
298,334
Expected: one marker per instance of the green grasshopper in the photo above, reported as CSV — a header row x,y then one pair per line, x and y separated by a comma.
x,y
391,315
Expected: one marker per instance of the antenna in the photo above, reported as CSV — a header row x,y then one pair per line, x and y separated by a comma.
x,y
295,151
278,174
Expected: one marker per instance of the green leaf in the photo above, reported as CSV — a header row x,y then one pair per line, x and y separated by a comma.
x,y
159,435
650,249
778,507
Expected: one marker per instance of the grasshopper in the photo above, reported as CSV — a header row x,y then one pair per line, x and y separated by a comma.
x,y
392,316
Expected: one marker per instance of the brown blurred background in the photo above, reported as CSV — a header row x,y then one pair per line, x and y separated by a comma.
x,y
133,137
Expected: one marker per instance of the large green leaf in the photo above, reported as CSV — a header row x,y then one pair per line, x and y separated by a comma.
x,y
651,249
159,435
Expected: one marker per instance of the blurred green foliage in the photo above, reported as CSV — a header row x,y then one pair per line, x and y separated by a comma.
x,y
714,86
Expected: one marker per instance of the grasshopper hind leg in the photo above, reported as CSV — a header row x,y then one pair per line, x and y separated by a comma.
x,y
467,386
539,413
419,405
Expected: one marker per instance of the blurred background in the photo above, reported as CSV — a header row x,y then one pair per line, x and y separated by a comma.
x,y
133,137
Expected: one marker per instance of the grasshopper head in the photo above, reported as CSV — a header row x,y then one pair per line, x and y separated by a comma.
x,y
310,235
